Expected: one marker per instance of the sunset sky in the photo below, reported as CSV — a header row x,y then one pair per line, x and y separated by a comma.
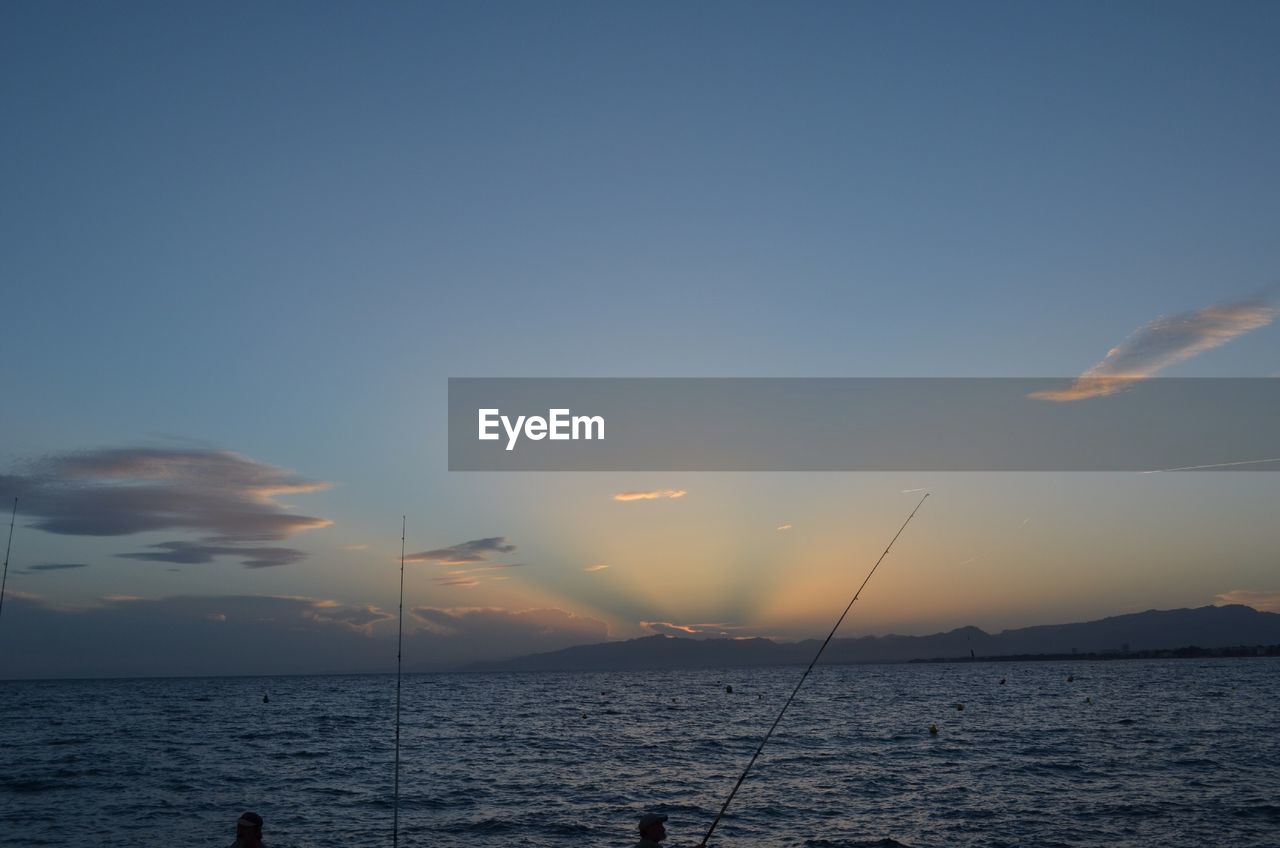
x,y
245,246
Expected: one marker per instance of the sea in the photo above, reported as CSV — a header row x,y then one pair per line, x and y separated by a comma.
x,y
1118,753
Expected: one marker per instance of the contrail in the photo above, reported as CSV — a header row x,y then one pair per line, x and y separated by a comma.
x,y
1213,465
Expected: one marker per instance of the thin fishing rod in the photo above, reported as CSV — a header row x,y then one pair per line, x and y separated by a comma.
x,y
783,711
395,804
4,580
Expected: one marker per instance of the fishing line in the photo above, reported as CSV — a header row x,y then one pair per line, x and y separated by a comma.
x,y
5,580
783,711
395,803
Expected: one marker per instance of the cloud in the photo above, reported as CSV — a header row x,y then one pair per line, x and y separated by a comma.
x,y
650,496
697,631
354,547
1163,342
477,550
600,566
359,618
1261,601
53,566
782,527
474,554
465,576
230,499
196,553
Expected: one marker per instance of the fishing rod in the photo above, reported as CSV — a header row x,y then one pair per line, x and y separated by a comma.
x,y
395,804
783,711
4,580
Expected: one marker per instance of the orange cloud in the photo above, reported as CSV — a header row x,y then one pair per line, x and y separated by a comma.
x,y
1161,343
651,495
1261,601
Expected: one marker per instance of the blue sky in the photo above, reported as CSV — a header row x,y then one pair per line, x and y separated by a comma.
x,y
276,230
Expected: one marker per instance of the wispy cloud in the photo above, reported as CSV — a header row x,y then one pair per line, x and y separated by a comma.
x,y
600,566
1166,341
467,577
355,547
650,495
360,618
1262,601
476,550
232,500
698,631
785,526
52,566
198,553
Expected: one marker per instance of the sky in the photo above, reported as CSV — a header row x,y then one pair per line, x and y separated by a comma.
x,y
246,245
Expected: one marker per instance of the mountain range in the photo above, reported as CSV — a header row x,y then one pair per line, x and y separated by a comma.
x,y
1205,627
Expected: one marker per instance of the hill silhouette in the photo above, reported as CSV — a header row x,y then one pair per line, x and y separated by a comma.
x,y
1205,627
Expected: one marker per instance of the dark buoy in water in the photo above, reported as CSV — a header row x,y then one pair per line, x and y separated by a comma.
x,y
959,708
1002,681
265,699
933,730
728,690
1071,678
1088,700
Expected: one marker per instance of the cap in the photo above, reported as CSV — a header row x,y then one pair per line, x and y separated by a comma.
x,y
250,820
650,819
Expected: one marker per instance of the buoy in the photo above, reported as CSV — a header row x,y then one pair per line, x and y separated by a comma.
x,y
933,730
1088,700
265,699
1071,678
960,708
1002,681
728,690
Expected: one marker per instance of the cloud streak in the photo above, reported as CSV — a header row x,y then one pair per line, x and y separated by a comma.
x,y
590,569
697,631
655,494
465,553
1161,343
53,566
198,553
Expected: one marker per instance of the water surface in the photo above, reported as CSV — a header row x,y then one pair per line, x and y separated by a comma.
x,y
1180,752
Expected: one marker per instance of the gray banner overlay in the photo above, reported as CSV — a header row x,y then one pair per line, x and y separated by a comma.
x,y
864,424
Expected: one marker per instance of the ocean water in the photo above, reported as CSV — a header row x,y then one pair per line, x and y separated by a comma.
x,y
1128,753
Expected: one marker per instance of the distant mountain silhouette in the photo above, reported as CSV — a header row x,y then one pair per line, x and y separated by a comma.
x,y
1205,627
